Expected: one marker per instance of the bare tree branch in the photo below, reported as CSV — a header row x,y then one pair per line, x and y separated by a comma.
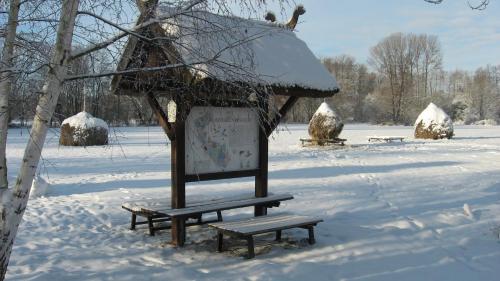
x,y
132,31
481,6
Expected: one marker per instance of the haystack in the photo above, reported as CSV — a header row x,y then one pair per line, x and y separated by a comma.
x,y
325,124
433,123
83,129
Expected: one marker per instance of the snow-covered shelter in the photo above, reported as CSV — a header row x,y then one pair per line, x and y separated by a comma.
x,y
220,70
433,123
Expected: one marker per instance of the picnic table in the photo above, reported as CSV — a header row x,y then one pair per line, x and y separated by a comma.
x,y
385,138
155,211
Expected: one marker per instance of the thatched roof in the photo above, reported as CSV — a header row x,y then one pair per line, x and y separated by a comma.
x,y
225,49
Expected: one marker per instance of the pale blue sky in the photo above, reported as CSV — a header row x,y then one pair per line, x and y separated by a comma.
x,y
469,38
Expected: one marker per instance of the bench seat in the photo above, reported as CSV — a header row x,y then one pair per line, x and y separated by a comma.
x,y
337,141
159,210
271,200
385,138
247,228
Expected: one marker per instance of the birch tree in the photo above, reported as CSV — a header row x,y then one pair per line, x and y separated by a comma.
x,y
6,85
16,199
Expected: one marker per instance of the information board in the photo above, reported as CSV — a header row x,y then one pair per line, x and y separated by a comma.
x,y
221,139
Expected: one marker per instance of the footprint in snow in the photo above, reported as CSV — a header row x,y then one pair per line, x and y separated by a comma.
x,y
103,217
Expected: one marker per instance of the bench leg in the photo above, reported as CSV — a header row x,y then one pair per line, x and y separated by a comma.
x,y
133,221
310,229
151,226
278,235
260,211
219,216
251,252
220,241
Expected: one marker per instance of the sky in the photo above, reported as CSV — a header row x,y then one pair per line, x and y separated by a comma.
x,y
469,38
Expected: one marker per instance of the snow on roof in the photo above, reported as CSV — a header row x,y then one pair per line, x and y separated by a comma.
x,y
85,120
435,116
245,51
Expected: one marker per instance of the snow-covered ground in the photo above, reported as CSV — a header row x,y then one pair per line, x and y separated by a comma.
x,y
417,210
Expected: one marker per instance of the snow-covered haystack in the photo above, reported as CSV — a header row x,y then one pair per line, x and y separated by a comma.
x,y
83,130
325,124
433,123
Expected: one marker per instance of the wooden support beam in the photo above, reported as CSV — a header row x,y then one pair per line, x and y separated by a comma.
x,y
290,102
160,114
261,178
178,175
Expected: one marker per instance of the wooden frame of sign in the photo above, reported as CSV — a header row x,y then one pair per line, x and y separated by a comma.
x,y
177,134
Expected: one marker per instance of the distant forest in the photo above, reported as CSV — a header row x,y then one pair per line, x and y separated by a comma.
x,y
402,76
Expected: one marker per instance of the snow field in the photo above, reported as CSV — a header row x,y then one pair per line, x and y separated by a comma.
x,y
399,211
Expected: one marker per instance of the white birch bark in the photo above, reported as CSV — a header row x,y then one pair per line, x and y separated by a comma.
x,y
44,111
6,85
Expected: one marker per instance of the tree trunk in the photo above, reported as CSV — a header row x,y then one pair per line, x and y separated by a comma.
x,y
45,109
6,85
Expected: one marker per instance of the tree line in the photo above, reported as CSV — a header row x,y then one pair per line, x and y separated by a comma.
x,y
403,75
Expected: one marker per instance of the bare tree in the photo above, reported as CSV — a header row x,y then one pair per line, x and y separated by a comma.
x,y
483,98
355,81
17,198
431,59
392,58
481,5
410,64
6,74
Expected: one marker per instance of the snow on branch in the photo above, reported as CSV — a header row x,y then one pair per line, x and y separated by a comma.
x,y
133,32
128,71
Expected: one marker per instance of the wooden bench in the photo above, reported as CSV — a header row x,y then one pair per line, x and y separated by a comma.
x,y
385,138
247,228
272,200
148,209
335,141
145,208
160,211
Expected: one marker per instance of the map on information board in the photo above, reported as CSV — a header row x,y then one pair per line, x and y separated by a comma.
x,y
221,139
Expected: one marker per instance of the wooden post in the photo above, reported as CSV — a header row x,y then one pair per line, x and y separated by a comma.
x,y
271,126
178,174
261,178
160,114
